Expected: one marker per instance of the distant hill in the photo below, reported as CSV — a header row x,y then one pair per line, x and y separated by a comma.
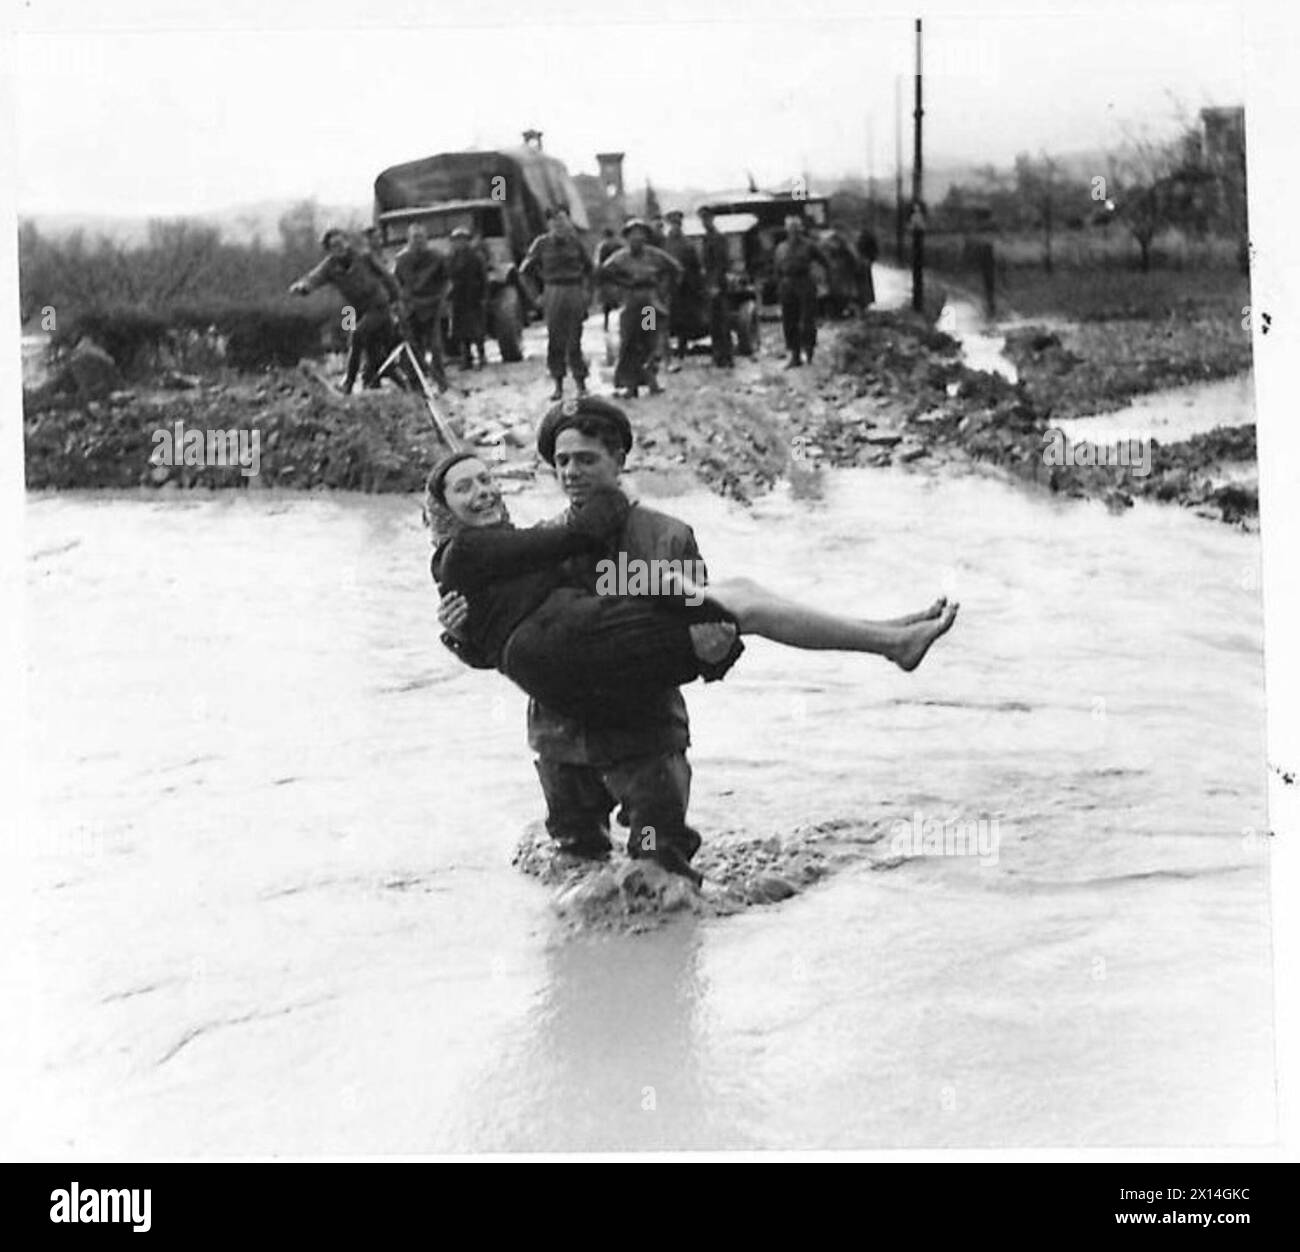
x,y
239,224
242,223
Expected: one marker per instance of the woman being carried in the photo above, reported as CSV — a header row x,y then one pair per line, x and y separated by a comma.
x,y
592,656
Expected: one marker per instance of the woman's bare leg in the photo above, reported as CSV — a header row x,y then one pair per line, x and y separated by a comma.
x,y
764,613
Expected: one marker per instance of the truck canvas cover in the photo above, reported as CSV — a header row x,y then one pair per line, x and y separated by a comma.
x,y
532,182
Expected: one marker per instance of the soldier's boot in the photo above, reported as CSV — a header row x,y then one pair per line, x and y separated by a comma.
x,y
557,392
794,362
581,384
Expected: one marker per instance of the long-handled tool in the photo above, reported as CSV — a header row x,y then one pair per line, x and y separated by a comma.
x,y
431,401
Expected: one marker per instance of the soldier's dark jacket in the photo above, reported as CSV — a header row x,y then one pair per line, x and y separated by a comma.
x,y
645,273
794,260
717,258
561,259
682,250
422,275
360,280
647,535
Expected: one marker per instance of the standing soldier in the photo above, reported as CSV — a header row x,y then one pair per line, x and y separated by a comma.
x,y
421,273
868,250
716,268
372,242
793,263
371,294
685,299
639,270
605,249
566,272
468,274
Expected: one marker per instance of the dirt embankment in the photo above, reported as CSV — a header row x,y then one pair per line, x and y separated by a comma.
x,y
889,389
943,408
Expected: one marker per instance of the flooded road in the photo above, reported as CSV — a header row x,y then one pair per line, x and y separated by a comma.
x,y
276,913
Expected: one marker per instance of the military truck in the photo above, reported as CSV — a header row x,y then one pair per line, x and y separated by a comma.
x,y
502,198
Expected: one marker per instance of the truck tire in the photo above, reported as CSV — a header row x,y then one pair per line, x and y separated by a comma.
x,y
507,318
747,329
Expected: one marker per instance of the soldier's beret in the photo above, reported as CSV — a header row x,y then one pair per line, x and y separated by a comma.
x,y
587,408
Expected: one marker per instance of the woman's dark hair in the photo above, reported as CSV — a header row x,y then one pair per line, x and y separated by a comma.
x,y
435,484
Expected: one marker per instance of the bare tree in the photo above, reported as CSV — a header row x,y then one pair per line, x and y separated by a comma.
x,y
1037,185
1147,173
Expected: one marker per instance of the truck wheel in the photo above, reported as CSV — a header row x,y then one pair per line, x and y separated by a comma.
x,y
747,331
508,319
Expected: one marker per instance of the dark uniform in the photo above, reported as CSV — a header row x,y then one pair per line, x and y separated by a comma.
x,y
798,292
371,291
422,275
642,279
685,298
469,285
608,293
566,270
586,772
716,266
868,250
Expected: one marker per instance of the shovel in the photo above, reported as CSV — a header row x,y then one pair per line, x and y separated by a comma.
x,y
431,401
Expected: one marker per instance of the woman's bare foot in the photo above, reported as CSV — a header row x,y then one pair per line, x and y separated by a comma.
x,y
927,615
911,653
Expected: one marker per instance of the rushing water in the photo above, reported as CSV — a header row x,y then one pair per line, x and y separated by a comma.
x,y
1173,414
276,912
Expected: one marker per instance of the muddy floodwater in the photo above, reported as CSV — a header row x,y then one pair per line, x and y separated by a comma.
x,y
276,912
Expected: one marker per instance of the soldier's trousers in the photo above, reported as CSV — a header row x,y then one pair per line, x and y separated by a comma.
x,y
369,343
720,328
566,310
426,338
638,348
799,316
651,791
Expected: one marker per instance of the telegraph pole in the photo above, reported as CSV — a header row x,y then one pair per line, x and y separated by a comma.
x,y
871,171
918,217
898,167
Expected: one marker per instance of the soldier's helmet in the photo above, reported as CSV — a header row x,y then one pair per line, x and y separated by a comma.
x,y
635,223
461,232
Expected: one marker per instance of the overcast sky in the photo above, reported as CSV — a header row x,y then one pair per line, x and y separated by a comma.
x,y
140,109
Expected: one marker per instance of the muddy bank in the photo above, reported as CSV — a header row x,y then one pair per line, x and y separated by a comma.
x,y
712,427
911,398
1081,369
889,389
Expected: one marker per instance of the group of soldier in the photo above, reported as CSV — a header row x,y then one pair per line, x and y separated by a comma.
x,y
656,276
409,301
